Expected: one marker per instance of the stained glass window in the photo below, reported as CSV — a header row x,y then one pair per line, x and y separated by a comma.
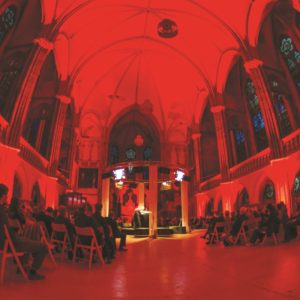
x,y
279,98
269,192
256,116
291,56
147,153
9,74
7,21
239,136
296,188
130,154
114,154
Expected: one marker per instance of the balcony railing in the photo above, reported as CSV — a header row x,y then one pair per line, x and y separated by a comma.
x,y
210,183
291,143
250,165
32,156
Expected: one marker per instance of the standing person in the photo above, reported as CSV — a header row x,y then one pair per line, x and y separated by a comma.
x,y
117,233
38,250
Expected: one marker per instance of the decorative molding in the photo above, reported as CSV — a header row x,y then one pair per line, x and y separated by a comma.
x,y
43,43
196,136
217,108
64,99
252,64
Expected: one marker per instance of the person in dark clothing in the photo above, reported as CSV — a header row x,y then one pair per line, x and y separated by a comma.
x,y
240,217
84,219
15,211
116,232
108,245
271,225
62,219
216,219
38,250
47,218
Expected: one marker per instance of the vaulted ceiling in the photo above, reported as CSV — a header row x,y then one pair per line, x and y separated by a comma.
x,y
115,58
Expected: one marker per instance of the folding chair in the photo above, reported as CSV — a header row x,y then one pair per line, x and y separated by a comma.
x,y
46,241
273,236
9,251
87,232
16,225
241,234
60,229
216,234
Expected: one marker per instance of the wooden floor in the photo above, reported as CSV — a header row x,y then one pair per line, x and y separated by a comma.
x,y
171,268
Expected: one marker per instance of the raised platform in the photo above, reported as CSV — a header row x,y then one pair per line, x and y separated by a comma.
x,y
161,231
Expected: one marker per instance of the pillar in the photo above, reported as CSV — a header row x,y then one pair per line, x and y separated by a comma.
x,y
105,196
185,205
153,194
141,194
196,146
9,160
219,118
255,72
40,52
62,107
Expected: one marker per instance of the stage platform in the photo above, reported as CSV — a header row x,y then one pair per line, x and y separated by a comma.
x,y
161,231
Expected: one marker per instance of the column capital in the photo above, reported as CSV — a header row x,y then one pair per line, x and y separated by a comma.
x,y
217,109
252,64
63,99
296,5
43,43
196,136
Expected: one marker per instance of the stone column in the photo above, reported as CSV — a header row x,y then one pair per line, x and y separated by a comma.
x,y
254,69
41,50
62,107
141,192
105,196
219,118
9,160
153,194
196,147
185,205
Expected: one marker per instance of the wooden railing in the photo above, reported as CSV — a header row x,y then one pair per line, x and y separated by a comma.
x,y
291,143
250,165
32,156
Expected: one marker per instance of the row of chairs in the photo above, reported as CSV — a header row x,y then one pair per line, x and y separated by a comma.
x,y
242,234
9,250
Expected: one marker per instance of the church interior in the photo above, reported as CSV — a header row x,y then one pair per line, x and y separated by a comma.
x,y
149,147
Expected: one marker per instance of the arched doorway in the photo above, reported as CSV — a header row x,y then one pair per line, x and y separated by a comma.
x,y
17,188
296,192
242,199
36,199
268,193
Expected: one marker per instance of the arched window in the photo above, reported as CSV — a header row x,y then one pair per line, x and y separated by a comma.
x,y
130,154
7,21
242,199
268,194
220,207
114,154
296,192
291,56
147,153
280,103
256,116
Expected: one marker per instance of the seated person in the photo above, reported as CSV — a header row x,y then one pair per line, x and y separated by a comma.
x,y
38,250
117,233
84,219
239,218
108,249
62,219
47,218
216,219
15,211
268,227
